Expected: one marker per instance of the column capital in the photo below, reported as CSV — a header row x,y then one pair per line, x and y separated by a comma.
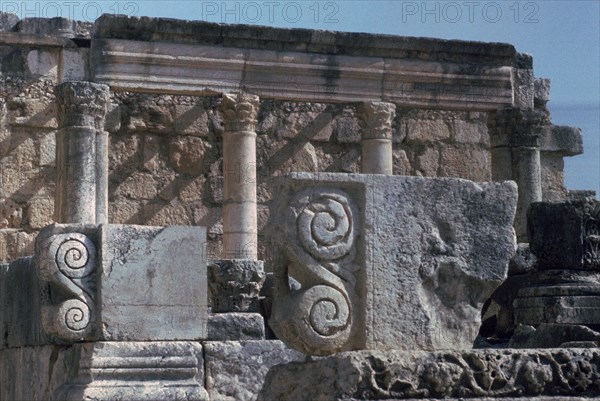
x,y
515,127
375,119
240,112
82,104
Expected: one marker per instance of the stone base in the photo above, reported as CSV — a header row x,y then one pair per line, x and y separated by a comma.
x,y
104,371
556,374
236,370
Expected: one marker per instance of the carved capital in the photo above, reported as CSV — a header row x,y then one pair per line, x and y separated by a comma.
x,y
318,318
375,119
239,112
82,104
514,127
66,266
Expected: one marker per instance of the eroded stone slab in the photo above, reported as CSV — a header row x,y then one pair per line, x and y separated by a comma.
x,y
477,374
153,283
386,262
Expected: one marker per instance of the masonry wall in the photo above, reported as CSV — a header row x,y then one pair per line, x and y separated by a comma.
x,y
166,151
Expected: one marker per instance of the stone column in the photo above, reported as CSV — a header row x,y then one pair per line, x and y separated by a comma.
x,y
239,176
82,153
515,135
375,119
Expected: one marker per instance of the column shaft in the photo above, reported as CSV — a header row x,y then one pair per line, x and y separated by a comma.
x,y
375,119
240,232
81,154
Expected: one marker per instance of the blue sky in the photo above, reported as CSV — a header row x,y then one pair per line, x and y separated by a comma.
x,y
562,36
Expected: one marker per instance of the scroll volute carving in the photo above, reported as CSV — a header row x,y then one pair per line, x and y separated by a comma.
x,y
66,267
317,318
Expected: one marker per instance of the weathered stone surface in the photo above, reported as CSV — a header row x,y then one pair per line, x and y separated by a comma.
x,y
104,371
369,250
169,263
523,262
8,21
541,91
11,214
556,296
124,283
234,285
188,154
477,374
551,335
235,327
235,371
20,313
565,235
567,141
290,64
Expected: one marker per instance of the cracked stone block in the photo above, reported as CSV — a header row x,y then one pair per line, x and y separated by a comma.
x,y
365,252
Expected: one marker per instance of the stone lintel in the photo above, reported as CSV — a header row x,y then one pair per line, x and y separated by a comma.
x,y
299,65
567,141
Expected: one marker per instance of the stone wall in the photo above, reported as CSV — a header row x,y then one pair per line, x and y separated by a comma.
x,y
166,150
166,156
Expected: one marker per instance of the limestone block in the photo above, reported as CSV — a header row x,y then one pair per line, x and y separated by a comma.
x,y
552,177
11,214
43,63
370,251
551,335
523,262
75,64
15,244
40,212
541,91
191,120
564,140
235,371
169,263
234,285
402,165
347,129
565,235
8,21
478,374
235,327
104,371
123,283
19,304
188,154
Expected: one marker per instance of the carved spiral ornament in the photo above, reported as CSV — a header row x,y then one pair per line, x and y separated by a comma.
x,y
318,317
76,314
315,321
73,258
326,227
66,263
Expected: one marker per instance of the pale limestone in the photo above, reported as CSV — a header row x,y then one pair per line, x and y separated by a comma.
x,y
239,172
555,375
369,250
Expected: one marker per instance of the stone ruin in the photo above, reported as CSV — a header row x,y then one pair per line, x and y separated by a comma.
x,y
197,211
